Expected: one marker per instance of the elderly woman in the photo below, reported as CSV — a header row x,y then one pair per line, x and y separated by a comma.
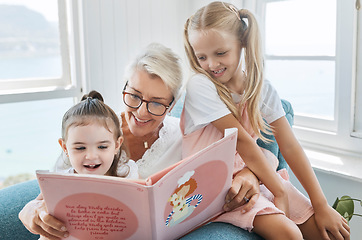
x,y
153,140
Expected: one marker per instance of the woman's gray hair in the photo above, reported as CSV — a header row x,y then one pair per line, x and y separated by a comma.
x,y
156,59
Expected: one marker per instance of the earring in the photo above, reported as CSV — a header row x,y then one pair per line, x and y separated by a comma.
x,y
66,153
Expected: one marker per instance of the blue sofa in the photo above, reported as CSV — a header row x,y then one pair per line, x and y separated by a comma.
x,y
14,198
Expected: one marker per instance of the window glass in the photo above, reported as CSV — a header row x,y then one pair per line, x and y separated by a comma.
x,y
300,47
308,85
301,27
29,137
29,39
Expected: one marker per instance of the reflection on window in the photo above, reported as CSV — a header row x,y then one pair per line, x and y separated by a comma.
x,y
300,43
29,39
29,137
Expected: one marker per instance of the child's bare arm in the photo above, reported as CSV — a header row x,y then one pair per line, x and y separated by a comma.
x,y
327,219
255,160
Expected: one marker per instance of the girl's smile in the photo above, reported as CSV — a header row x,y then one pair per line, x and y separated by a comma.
x,y
218,73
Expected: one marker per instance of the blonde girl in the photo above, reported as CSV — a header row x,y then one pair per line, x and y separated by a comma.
x,y
218,39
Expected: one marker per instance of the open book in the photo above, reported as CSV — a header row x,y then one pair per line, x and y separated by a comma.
x,y
166,205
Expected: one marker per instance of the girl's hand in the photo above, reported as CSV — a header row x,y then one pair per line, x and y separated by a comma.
x,y
245,184
37,220
330,222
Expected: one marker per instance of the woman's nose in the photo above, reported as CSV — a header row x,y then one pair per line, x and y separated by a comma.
x,y
142,110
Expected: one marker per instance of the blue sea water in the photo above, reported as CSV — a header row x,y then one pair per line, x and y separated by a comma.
x,y
29,134
29,130
30,67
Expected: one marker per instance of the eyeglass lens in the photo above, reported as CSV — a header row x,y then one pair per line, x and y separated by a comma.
x,y
135,101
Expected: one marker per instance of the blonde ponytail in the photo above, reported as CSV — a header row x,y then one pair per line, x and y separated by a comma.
x,y
254,72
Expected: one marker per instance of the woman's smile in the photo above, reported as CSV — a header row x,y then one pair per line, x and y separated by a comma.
x,y
141,122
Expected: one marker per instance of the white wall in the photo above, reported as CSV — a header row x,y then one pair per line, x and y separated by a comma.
x,y
115,30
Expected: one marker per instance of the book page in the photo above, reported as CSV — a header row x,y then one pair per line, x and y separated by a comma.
x,y
194,190
96,207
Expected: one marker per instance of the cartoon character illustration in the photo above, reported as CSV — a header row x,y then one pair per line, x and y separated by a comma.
x,y
180,201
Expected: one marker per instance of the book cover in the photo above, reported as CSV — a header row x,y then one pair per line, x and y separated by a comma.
x,y
166,205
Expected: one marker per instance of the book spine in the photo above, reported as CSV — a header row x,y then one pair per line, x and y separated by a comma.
x,y
152,207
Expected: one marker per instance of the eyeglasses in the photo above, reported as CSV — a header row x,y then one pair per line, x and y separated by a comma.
x,y
134,101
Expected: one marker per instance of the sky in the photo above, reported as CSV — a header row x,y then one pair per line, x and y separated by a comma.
x,y
48,8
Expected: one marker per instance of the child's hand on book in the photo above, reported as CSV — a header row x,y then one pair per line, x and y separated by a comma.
x,y
42,223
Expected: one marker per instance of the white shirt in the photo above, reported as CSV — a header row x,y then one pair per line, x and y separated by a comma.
x,y
203,105
164,152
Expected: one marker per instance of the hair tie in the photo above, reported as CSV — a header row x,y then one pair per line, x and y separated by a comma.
x,y
232,9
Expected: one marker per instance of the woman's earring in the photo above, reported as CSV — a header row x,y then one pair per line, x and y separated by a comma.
x,y
66,153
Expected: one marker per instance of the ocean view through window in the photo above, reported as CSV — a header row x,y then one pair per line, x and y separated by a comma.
x,y
30,44
300,45
311,49
32,60
29,136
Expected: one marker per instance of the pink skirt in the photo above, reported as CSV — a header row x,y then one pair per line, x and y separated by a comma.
x,y
300,207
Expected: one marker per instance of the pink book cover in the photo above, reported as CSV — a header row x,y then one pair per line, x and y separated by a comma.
x,y
167,205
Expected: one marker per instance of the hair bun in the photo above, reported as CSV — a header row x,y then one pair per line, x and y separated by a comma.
x,y
94,95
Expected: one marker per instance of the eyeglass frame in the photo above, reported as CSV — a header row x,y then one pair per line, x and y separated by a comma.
x,y
146,101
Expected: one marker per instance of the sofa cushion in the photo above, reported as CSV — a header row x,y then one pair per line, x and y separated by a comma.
x,y
12,200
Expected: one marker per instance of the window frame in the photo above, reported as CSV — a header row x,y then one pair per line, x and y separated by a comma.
x,y
71,81
358,110
337,135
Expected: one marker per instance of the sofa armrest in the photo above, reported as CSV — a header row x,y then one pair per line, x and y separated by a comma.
x,y
12,200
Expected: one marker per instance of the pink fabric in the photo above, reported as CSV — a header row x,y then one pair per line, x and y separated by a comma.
x,y
300,207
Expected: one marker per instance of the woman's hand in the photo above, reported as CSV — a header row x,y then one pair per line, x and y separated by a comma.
x,y
37,220
331,223
244,191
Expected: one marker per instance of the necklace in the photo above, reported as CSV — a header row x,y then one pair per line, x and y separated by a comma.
x,y
153,135
145,142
